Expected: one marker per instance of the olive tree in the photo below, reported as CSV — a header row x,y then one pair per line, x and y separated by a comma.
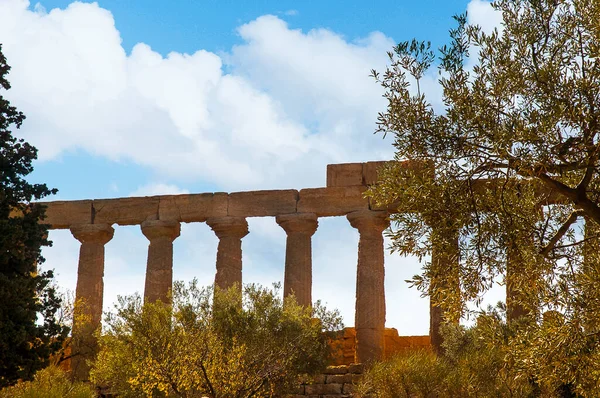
x,y
509,167
209,345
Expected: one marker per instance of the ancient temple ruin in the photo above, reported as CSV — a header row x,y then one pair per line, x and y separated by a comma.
x,y
296,211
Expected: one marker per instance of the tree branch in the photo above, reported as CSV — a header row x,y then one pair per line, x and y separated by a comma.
x,y
561,232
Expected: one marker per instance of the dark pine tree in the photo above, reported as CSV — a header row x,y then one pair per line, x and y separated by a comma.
x,y
29,330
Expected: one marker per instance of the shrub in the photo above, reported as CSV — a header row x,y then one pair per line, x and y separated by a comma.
x,y
476,364
212,345
50,382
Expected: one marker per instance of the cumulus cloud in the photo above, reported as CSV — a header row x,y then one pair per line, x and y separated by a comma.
x,y
480,12
291,102
158,189
294,102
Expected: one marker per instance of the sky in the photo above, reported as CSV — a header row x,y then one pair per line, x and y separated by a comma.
x,y
139,98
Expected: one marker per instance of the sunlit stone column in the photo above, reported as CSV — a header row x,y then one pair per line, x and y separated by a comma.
x,y
159,269
88,294
300,228
370,291
514,308
230,231
444,275
522,275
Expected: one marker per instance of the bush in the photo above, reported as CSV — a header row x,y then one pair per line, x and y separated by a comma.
x,y
476,364
416,374
217,348
50,382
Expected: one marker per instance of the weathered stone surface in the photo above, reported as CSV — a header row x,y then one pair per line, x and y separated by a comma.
x,y
370,291
298,255
323,389
318,379
159,268
63,214
262,203
444,261
335,201
344,174
356,378
395,343
339,379
192,207
347,389
125,211
336,370
370,170
356,368
89,292
230,231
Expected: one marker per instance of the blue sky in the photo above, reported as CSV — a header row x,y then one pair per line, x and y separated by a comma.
x,y
129,98
185,26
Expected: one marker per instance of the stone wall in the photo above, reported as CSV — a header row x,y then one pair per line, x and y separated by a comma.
x,y
337,381
345,345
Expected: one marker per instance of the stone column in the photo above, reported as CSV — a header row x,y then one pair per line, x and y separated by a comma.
x,y
300,228
159,269
230,231
370,290
514,308
522,275
88,294
444,275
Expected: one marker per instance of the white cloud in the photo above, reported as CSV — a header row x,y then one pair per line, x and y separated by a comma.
x,y
293,102
480,12
158,189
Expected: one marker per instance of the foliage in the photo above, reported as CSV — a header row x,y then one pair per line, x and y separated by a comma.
x,y
25,294
489,359
219,348
50,382
509,164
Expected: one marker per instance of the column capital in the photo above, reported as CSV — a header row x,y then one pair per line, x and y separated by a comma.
x,y
298,222
154,229
225,227
367,221
93,233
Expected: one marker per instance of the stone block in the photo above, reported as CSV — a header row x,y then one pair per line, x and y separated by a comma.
x,y
336,370
348,389
323,389
356,378
356,368
192,207
370,170
63,214
344,174
335,201
339,379
125,211
318,379
262,203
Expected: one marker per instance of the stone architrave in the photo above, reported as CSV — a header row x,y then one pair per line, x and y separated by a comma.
x,y
299,228
230,231
370,290
444,267
89,293
159,269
